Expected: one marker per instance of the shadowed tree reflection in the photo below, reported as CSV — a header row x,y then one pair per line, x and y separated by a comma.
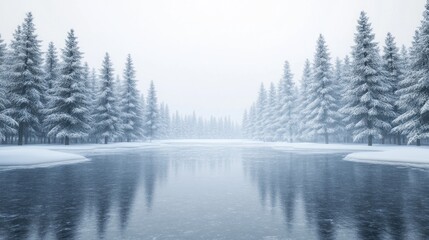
x,y
342,199
54,200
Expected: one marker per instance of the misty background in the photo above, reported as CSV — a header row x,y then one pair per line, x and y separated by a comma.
x,y
209,56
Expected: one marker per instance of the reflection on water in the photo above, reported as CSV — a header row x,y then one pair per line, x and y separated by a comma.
x,y
215,193
343,200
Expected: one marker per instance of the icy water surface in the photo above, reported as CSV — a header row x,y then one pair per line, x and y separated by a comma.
x,y
185,192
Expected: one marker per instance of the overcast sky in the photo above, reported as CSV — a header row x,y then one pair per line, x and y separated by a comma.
x,y
209,55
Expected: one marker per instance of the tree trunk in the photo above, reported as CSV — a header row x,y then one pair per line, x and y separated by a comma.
x,y
370,140
20,133
383,139
128,140
398,140
326,138
106,140
66,141
418,142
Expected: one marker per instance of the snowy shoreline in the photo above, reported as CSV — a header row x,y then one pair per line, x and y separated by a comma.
x,y
36,156
47,155
377,154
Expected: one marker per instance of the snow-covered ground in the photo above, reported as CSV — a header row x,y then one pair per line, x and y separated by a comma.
x,y
380,154
32,156
47,155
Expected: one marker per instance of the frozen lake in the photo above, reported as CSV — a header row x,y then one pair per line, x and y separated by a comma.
x,y
215,192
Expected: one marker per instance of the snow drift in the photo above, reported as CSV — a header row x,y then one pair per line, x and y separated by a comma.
x,y
16,156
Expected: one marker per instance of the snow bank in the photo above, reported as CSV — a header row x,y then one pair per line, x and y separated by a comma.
x,y
27,156
381,154
50,155
329,147
403,155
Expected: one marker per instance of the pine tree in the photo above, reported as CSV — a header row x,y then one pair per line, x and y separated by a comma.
x,y
304,101
7,124
151,125
107,120
367,104
323,107
393,71
414,91
252,122
261,105
130,104
69,114
167,122
25,80
286,108
340,85
51,78
346,79
162,131
245,124
270,115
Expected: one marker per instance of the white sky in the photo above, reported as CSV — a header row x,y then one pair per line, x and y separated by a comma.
x,y
209,55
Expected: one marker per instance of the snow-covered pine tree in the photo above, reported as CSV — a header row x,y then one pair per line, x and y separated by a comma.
x,y
51,77
106,117
162,122
286,108
93,100
367,105
304,101
394,74
69,114
151,124
93,85
414,91
130,104
167,121
346,76
86,76
25,80
252,121
340,84
7,124
323,107
261,105
270,115
245,124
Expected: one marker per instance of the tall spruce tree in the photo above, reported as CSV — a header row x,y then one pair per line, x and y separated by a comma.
x,y
69,114
151,124
340,85
286,118
106,115
346,79
270,115
261,105
130,104
414,92
394,74
7,124
51,78
25,80
304,101
368,106
323,107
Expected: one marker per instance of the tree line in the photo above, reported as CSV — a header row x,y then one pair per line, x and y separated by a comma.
x,y
59,99
370,96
